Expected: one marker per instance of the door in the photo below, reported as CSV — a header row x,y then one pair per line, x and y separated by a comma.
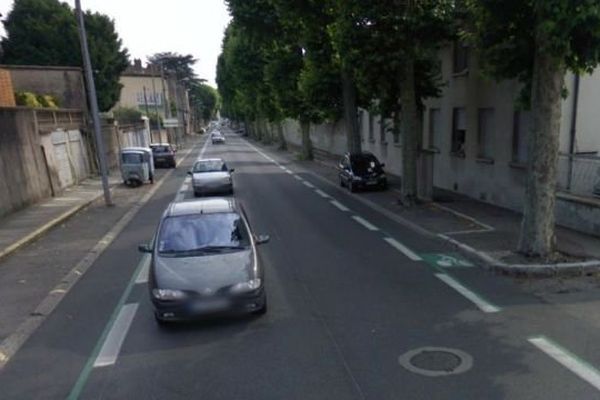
x,y
77,155
61,156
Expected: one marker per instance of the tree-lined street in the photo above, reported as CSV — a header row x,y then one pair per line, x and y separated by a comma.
x,y
349,294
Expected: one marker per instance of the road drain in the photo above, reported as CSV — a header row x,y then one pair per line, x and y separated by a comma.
x,y
436,361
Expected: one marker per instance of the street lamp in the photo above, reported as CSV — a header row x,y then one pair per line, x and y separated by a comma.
x,y
89,79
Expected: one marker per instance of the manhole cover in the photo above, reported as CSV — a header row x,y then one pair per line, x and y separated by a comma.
x,y
436,361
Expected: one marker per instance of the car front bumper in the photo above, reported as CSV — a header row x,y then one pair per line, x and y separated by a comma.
x,y
199,307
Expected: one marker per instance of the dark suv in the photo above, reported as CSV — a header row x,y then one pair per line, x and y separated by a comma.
x,y
164,155
362,171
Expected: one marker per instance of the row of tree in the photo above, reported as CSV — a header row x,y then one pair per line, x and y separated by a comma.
x,y
318,60
44,32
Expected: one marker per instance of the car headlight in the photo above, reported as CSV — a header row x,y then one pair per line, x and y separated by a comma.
x,y
248,286
168,294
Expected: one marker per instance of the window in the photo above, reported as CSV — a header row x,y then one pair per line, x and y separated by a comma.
x,y
209,166
485,133
195,233
435,128
521,127
132,158
459,131
461,58
371,127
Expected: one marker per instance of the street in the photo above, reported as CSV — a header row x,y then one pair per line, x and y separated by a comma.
x,y
349,294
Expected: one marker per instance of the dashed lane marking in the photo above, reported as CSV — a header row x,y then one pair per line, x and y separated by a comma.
x,y
365,223
481,303
403,249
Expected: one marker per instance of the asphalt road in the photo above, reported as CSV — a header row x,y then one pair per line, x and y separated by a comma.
x,y
350,291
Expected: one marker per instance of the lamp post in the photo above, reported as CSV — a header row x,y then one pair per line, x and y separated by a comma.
x,y
91,91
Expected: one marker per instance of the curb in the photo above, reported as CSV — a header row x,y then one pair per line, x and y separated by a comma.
x,y
47,226
528,270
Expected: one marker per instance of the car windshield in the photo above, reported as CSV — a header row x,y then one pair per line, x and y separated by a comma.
x,y
363,165
209,166
190,235
160,149
132,158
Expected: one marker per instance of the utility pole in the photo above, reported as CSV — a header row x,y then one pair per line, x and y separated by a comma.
x,y
89,78
156,105
147,112
167,101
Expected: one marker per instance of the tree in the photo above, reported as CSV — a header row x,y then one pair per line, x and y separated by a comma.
x,y
44,32
177,65
391,47
537,42
204,100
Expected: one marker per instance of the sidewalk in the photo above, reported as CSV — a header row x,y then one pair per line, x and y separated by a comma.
x,y
21,227
482,231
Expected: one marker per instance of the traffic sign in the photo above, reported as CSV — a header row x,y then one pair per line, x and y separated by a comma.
x,y
170,123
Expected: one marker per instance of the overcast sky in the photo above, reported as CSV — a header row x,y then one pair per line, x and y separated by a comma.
x,y
150,26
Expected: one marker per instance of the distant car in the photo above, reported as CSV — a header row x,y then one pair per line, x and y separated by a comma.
x,y
211,176
217,138
362,171
164,155
204,261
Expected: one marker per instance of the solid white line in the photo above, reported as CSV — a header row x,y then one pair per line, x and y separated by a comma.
x,y
179,197
476,299
184,187
112,346
308,184
281,167
365,223
289,172
322,194
579,367
339,205
403,249
143,275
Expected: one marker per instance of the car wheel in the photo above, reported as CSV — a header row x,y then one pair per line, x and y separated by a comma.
x,y
263,310
352,187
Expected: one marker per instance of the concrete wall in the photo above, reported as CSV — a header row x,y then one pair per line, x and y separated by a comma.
x,y
64,83
23,175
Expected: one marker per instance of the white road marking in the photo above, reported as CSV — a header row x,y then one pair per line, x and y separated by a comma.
x,y
289,172
339,205
579,367
281,167
308,184
365,223
322,194
298,178
483,305
112,346
403,249
179,197
143,275
184,187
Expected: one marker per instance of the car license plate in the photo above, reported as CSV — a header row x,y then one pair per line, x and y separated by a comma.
x,y
372,182
210,305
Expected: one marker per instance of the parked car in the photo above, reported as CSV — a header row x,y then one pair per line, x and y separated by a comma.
x,y
137,165
211,176
164,154
362,171
217,138
204,261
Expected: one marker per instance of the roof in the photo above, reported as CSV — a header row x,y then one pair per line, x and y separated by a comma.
x,y
201,206
159,144
141,149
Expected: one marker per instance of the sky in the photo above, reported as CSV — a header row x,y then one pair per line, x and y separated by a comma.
x,y
150,26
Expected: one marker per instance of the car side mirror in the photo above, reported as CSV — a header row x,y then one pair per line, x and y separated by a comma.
x,y
261,239
231,170
145,248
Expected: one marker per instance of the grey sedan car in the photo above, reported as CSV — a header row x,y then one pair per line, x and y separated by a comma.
x,y
204,262
211,176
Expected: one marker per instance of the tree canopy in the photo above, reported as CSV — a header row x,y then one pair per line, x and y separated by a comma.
x,y
44,32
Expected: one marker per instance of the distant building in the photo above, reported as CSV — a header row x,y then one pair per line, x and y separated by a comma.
x,y
143,88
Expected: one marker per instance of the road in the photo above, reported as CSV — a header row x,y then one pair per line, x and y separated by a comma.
x,y
350,292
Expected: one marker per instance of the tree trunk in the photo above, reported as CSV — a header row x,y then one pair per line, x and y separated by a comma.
x,y
281,137
537,228
350,111
410,126
307,150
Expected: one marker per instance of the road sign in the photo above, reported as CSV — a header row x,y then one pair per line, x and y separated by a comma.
x,y
170,123
446,260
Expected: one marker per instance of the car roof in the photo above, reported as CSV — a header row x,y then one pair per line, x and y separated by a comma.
x,y
159,144
142,149
202,206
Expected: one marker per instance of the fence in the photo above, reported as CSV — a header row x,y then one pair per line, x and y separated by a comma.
x,y
579,174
